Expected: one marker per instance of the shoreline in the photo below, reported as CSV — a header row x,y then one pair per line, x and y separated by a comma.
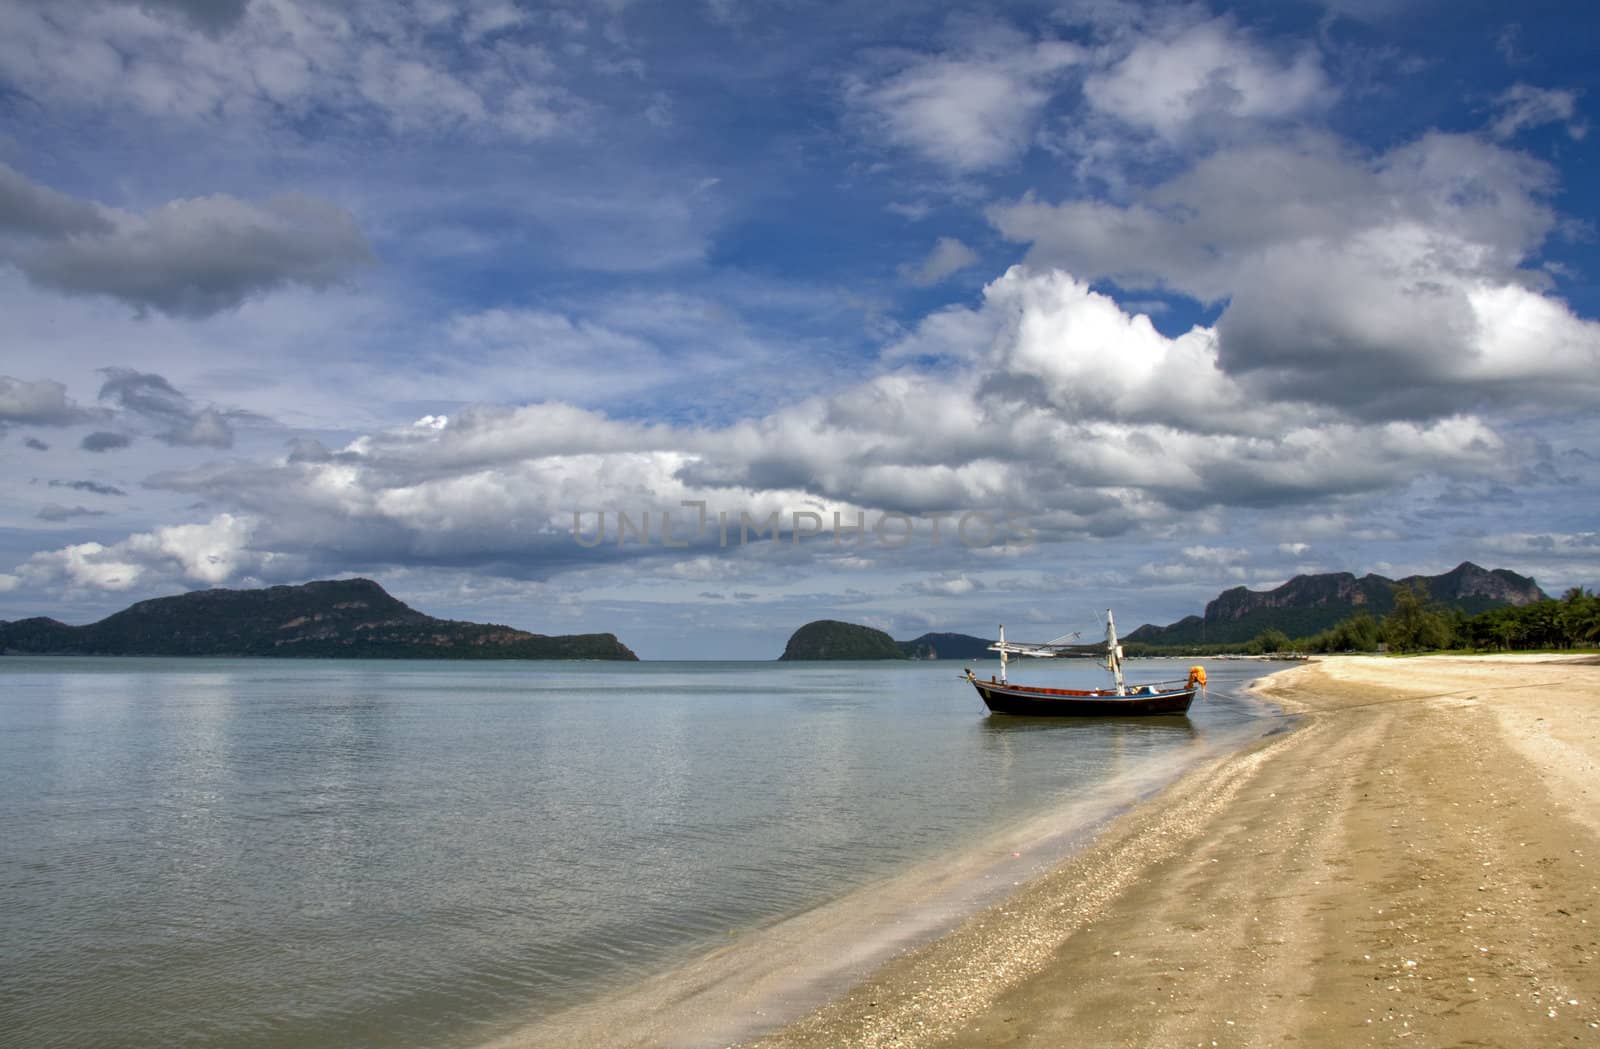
x,y
1414,859
768,978
1418,858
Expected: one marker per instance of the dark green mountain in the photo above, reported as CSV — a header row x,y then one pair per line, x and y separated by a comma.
x,y
350,618
948,646
1308,604
831,639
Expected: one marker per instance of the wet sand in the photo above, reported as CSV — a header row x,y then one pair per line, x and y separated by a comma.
x,y
1416,864
762,979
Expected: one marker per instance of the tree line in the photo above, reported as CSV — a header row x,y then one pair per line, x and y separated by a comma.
x,y
1419,624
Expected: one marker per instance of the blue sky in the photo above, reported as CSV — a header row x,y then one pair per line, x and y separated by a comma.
x,y
1155,299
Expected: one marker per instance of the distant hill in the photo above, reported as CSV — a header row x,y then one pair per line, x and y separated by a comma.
x,y
948,646
831,639
350,618
1308,604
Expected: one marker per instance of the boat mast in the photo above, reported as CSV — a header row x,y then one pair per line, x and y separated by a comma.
x,y
1114,654
1002,653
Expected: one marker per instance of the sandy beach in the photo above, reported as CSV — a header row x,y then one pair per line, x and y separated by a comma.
x,y
1417,863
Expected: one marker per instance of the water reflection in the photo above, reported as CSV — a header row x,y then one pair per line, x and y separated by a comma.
x,y
1175,726
378,854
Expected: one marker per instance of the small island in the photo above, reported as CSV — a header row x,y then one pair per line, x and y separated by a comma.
x,y
333,618
831,639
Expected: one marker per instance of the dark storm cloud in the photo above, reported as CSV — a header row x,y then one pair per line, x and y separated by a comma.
x,y
153,398
104,441
213,17
36,444
92,487
29,208
201,256
209,16
144,393
57,512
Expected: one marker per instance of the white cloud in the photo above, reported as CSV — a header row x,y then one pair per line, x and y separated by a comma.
x,y
1191,572
209,553
276,57
1215,555
38,403
1524,106
1332,526
82,564
1391,285
206,429
949,256
1095,361
956,585
1558,559
1064,410
1580,545
967,111
1180,81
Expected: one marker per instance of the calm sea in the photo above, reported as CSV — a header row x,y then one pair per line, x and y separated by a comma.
x,y
252,853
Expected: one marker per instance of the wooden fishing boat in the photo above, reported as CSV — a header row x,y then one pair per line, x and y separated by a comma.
x,y
1119,700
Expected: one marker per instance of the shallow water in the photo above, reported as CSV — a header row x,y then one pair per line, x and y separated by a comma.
x,y
374,853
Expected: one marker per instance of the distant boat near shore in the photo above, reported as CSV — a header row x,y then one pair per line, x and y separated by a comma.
x,y
1120,700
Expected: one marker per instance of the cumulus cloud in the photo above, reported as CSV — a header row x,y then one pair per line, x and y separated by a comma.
x,y
968,110
41,402
1392,285
1175,81
200,256
1161,79
36,444
209,553
1065,411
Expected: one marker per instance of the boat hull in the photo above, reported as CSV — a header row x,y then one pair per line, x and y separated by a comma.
x,y
1063,702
